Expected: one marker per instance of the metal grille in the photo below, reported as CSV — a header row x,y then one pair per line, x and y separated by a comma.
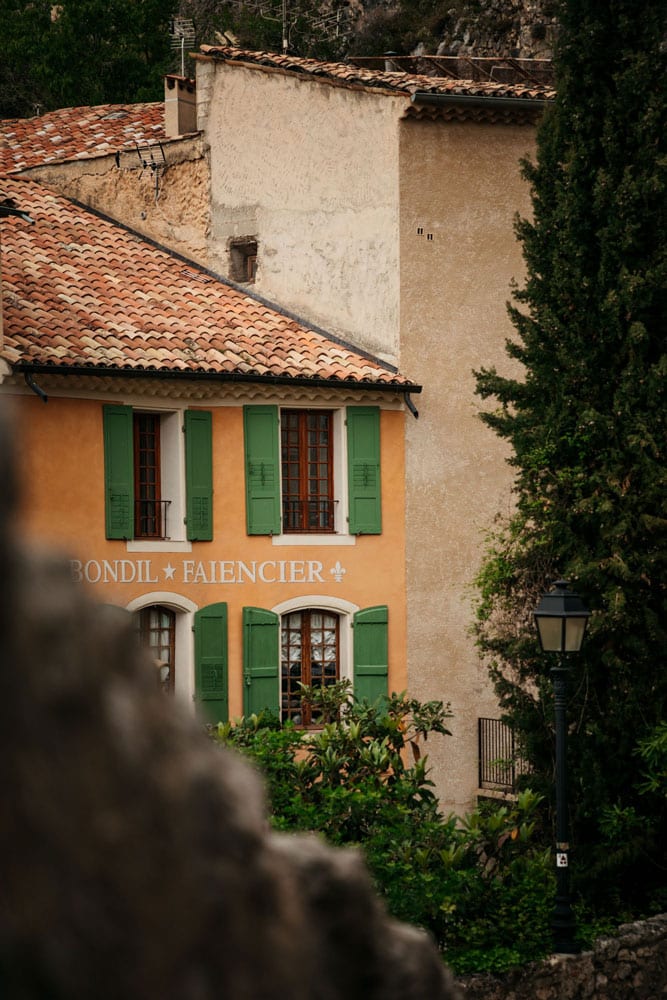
x,y
150,518
500,761
308,515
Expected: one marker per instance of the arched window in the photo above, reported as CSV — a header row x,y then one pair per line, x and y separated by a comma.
x,y
157,631
310,654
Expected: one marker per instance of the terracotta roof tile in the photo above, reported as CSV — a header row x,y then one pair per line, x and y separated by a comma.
x,y
373,79
133,306
78,133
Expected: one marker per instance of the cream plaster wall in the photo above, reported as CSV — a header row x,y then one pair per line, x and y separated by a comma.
x,y
460,182
178,217
312,171
396,234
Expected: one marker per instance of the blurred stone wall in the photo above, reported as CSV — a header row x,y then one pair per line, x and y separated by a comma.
x,y
631,963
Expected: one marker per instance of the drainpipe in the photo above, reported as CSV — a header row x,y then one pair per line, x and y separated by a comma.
x,y
30,382
410,405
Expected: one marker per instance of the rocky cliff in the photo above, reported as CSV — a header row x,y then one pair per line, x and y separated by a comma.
x,y
510,28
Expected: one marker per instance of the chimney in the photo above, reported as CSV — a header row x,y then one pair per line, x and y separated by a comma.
x,y
180,105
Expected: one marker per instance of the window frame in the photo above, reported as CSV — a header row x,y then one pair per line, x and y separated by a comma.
x,y
357,477
147,440
147,629
243,259
184,610
186,475
302,715
363,649
295,434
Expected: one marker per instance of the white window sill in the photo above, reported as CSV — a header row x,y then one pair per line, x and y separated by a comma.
x,y
164,545
312,539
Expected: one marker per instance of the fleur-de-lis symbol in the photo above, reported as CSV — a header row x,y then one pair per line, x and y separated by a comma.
x,y
338,572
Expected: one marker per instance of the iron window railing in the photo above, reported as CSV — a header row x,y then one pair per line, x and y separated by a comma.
x,y
500,758
309,515
150,518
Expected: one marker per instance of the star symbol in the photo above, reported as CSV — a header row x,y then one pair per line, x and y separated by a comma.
x,y
169,571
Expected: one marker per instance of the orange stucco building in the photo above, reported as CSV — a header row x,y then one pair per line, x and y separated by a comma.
x,y
231,477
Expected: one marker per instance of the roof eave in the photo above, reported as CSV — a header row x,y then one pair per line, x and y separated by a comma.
x,y
480,101
40,368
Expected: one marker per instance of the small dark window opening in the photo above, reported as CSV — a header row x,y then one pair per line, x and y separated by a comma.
x,y
243,259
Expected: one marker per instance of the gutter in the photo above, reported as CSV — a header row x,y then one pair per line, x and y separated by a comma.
x,y
475,101
199,376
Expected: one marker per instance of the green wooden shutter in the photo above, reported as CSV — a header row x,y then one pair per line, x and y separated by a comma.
x,y
363,460
199,475
261,661
371,653
262,465
118,471
211,662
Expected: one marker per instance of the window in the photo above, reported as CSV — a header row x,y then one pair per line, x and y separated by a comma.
x,y
157,632
199,638
309,642
296,477
150,511
243,259
151,487
194,671
306,451
313,646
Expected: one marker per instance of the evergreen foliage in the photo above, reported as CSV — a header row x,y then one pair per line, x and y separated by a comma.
x,y
585,416
82,53
482,885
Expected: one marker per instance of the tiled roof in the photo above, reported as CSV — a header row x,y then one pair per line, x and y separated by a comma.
x,y
398,82
80,292
78,133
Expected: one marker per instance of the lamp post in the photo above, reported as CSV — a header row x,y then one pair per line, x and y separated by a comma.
x,y
561,618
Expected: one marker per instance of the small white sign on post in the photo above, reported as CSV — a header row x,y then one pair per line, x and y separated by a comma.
x,y
561,859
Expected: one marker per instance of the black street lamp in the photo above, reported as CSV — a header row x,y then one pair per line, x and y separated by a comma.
x,y
561,618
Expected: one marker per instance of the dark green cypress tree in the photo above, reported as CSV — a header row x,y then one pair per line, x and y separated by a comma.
x,y
83,52
586,421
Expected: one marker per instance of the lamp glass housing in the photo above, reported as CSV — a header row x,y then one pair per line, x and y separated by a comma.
x,y
561,618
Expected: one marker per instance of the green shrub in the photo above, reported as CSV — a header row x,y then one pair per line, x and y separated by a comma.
x,y
483,885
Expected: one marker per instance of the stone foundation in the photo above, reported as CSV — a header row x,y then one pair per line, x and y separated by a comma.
x,y
631,963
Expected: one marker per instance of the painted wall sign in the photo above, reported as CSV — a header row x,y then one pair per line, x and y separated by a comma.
x,y
210,571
